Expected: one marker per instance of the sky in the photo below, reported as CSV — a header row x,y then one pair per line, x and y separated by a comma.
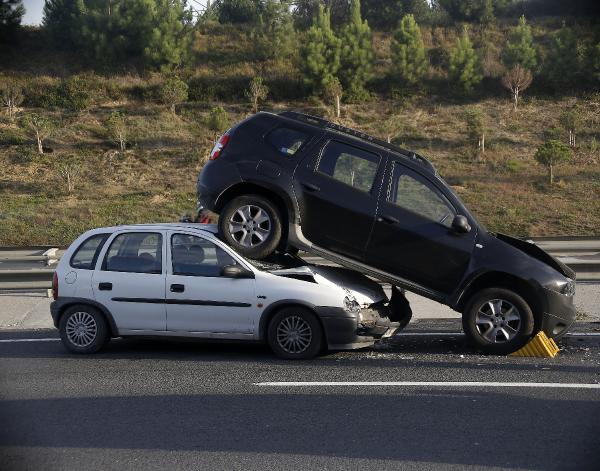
x,y
33,12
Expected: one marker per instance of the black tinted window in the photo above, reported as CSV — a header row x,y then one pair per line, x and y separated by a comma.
x,y
413,193
86,254
349,165
194,256
135,252
286,140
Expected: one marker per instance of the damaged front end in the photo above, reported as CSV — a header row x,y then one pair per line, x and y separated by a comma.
x,y
378,315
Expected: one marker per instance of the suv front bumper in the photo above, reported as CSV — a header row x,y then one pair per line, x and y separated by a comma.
x,y
558,313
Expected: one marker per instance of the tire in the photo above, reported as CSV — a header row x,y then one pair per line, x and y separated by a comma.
x,y
295,319
245,219
498,321
89,320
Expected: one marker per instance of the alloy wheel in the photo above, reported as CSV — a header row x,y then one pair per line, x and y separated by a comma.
x,y
81,329
294,334
250,225
498,321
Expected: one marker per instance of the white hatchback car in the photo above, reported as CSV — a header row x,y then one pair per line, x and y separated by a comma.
x,y
180,280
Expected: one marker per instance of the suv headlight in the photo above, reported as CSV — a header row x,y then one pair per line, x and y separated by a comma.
x,y
566,288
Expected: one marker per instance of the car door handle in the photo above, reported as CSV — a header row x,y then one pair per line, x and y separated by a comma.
x,y
105,286
311,187
387,219
177,288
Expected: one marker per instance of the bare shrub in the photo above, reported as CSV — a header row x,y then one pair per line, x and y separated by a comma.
x,y
517,80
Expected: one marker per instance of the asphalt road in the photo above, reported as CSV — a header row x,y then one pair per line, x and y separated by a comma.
x,y
146,404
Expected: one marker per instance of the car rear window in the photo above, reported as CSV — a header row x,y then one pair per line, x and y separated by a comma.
x,y
86,254
286,140
135,252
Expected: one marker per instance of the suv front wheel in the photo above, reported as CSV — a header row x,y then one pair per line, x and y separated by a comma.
x,y
498,321
251,225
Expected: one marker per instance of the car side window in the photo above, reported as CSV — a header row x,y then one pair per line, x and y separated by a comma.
x,y
135,252
350,165
86,254
413,193
195,256
287,141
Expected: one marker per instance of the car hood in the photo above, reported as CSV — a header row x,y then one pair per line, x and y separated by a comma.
x,y
536,252
365,290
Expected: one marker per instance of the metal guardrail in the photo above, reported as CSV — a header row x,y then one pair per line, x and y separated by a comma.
x,y
31,268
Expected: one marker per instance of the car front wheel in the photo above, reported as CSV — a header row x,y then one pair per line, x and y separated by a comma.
x,y
252,225
295,334
498,321
83,329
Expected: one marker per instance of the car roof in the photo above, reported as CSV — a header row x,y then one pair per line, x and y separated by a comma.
x,y
318,122
208,228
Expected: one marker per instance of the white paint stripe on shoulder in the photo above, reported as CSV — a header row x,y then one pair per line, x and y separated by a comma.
x,y
442,384
454,334
29,340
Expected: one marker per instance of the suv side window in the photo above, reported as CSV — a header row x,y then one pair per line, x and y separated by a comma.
x,y
350,165
86,254
286,140
135,252
412,192
195,256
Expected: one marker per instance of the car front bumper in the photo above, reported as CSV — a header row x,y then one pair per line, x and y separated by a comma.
x,y
558,313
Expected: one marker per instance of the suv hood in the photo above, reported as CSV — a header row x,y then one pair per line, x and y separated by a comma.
x,y
534,251
365,290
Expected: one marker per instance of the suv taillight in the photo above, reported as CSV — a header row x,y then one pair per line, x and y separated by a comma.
x,y
219,146
54,286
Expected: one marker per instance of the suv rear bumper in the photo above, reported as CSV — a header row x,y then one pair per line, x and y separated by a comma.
x,y
214,180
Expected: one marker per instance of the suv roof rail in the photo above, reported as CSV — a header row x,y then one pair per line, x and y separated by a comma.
x,y
323,123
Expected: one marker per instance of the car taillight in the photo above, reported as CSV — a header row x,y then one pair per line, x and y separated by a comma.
x,y
219,146
55,286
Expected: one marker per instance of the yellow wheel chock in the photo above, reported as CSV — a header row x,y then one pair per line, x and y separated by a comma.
x,y
539,346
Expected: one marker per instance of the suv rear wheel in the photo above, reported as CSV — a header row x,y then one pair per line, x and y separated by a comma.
x,y
498,321
83,329
251,225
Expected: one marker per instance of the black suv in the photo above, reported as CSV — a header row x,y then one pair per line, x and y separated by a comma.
x,y
293,181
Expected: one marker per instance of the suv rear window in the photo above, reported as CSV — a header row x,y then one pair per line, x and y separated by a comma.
x,y
286,140
86,254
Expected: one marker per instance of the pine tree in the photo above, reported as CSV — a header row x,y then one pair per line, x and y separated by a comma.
x,y
63,20
464,64
356,53
321,53
564,61
519,48
273,36
11,13
408,51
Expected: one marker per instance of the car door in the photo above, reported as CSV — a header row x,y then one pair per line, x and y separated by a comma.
x,y
412,236
199,298
337,193
130,280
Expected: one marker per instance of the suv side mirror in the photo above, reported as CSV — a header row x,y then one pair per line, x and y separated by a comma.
x,y
236,271
460,224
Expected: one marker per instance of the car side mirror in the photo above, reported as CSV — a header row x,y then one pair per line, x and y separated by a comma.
x,y
236,271
461,224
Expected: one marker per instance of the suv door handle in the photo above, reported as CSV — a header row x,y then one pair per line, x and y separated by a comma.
x,y
387,219
105,286
177,288
311,187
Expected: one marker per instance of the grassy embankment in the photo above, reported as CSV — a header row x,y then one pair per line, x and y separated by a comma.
x,y
154,180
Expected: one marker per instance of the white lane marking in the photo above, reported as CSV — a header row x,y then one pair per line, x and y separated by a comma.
x,y
443,384
454,334
29,340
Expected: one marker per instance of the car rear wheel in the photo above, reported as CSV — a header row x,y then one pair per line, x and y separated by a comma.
x,y
498,321
83,329
295,334
251,224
